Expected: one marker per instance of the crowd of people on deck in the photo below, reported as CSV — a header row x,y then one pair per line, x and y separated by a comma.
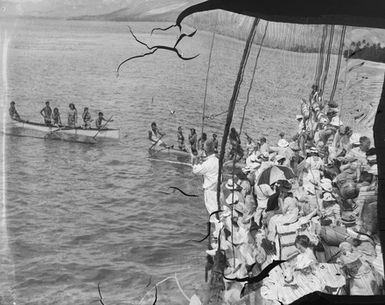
x,y
53,117
310,200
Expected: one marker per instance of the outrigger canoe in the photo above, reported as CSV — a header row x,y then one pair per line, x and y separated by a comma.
x,y
77,131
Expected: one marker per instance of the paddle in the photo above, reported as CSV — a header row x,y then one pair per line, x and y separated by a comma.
x,y
156,142
103,126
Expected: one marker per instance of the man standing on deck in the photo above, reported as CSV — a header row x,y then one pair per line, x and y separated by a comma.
x,y
209,170
46,112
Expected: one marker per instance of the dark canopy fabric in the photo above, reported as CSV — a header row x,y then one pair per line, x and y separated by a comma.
x,y
362,13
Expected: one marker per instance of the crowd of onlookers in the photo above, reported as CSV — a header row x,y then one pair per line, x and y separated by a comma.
x,y
310,200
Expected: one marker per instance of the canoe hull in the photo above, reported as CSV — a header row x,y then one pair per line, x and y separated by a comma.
x,y
105,133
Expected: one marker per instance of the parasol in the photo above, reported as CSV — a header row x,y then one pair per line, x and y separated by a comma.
x,y
275,173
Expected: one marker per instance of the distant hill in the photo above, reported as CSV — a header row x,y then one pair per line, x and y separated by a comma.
x,y
295,37
140,10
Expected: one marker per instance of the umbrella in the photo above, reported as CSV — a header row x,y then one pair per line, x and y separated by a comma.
x,y
275,173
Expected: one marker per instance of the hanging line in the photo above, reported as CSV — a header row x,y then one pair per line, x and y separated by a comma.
x,y
327,62
233,100
207,80
321,56
340,51
252,79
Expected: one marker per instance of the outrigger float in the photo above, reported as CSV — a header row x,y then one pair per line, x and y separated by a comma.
x,y
106,133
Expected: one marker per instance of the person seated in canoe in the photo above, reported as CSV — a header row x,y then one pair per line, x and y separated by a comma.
x,y
13,112
155,136
86,118
180,138
201,142
72,116
56,117
99,121
46,113
192,138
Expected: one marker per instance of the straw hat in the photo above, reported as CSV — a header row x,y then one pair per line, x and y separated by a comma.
x,y
345,246
232,186
299,117
328,197
349,190
335,121
279,158
349,257
308,187
283,143
255,162
326,184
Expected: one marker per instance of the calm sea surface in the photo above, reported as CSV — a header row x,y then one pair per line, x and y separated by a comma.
x,y
78,214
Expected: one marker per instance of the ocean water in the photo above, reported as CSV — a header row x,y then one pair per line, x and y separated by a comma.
x,y
75,215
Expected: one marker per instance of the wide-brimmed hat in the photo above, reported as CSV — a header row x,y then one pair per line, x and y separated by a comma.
x,y
373,170
336,121
264,156
279,158
326,185
308,187
371,158
349,257
232,185
255,162
324,120
299,117
349,190
283,143
355,139
294,146
328,197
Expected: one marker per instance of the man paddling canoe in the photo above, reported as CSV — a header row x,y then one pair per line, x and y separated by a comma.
x,y
155,135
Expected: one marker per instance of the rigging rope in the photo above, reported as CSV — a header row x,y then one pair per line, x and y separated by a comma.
x,y
327,62
252,80
321,56
233,100
340,51
232,103
207,80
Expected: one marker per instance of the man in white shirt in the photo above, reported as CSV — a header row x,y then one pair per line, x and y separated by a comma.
x,y
209,170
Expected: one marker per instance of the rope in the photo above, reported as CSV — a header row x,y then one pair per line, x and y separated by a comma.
x,y
327,62
340,49
233,101
252,80
321,56
207,80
